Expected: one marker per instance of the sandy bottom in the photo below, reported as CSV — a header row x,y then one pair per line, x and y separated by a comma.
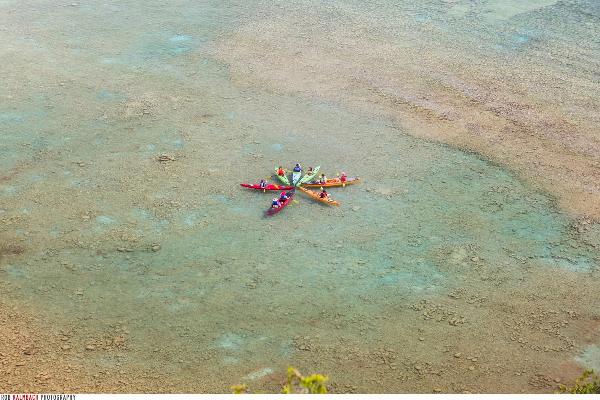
x,y
132,261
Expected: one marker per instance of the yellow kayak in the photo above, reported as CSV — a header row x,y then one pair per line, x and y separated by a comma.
x,y
315,195
333,182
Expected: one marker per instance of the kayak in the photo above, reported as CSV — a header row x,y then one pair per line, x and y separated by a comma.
x,y
284,179
270,186
332,182
296,177
273,211
307,177
316,196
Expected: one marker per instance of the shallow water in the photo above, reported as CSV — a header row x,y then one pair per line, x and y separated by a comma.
x,y
182,260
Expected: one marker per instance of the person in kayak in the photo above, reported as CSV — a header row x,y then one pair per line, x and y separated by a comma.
x,y
283,197
263,184
275,203
323,179
343,177
323,193
310,171
280,171
297,168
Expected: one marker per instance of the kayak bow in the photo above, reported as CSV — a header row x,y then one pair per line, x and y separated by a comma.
x,y
296,177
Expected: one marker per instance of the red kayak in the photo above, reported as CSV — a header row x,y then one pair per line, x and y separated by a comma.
x,y
273,211
270,186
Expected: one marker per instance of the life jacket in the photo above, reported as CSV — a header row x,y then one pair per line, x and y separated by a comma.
x,y
343,178
280,172
297,169
263,184
323,195
275,202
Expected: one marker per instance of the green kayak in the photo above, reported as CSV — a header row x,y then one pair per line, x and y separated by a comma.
x,y
308,178
283,178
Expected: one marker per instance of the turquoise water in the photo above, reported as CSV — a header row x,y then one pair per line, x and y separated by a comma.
x,y
183,258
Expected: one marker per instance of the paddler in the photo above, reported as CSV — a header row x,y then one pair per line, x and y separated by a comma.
x,y
280,171
275,203
343,177
263,184
310,171
323,179
297,168
323,193
283,197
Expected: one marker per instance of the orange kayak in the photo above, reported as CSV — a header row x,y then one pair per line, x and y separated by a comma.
x,y
316,196
332,182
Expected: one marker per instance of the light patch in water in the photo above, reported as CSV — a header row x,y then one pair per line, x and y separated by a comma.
x,y
110,96
590,358
141,214
192,218
261,373
9,190
228,360
15,271
277,147
230,341
178,143
506,9
11,118
422,18
105,220
180,38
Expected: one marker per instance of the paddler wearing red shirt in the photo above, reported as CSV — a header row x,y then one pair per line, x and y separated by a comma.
x,y
280,171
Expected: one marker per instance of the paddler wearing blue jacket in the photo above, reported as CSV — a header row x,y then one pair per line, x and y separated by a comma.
x,y
297,168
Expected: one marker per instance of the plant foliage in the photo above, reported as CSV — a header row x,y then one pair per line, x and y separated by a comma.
x,y
296,383
587,383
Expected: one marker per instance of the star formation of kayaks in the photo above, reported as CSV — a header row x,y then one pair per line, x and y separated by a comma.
x,y
310,179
